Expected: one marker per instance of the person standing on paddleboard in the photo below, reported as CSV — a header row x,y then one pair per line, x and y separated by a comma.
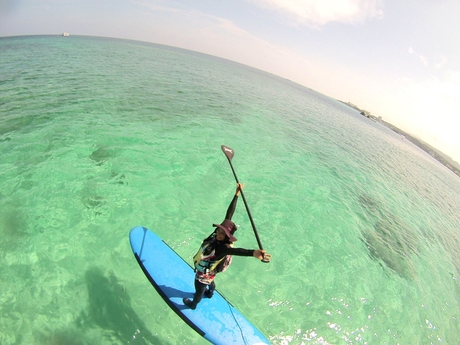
x,y
215,254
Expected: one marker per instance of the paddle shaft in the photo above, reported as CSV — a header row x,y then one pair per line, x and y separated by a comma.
x,y
247,208
229,154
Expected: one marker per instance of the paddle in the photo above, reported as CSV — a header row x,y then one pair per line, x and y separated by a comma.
x,y
229,153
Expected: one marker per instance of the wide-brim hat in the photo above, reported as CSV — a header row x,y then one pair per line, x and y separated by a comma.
x,y
227,226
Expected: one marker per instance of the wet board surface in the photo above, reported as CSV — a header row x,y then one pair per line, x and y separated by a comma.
x,y
214,318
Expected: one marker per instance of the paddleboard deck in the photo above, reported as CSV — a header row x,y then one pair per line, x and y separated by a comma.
x,y
215,318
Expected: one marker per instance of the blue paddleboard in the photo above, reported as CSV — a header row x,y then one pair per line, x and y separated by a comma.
x,y
214,318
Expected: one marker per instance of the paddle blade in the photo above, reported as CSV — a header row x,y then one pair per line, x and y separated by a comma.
x,y
228,151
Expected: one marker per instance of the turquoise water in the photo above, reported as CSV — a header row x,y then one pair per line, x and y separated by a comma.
x,y
100,135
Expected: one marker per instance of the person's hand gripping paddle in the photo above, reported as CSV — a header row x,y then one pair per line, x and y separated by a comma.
x,y
229,154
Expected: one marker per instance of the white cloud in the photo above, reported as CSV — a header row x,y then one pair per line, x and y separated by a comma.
x,y
320,12
429,110
453,77
422,58
441,61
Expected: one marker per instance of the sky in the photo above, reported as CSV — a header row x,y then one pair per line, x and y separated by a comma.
x,y
397,59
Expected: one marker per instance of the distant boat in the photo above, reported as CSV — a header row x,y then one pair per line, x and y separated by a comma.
x,y
65,34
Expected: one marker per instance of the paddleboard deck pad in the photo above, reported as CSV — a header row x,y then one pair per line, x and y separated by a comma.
x,y
214,318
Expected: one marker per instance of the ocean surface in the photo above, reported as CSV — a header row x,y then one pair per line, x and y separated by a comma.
x,y
100,135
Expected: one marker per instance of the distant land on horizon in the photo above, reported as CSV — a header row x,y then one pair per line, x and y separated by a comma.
x,y
441,157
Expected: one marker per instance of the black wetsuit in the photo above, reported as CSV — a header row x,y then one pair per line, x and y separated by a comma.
x,y
222,248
